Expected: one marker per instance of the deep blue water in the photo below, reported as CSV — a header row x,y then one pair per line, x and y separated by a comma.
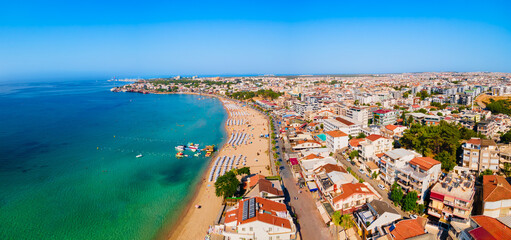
x,y
67,159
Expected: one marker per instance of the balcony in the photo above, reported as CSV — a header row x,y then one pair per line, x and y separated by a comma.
x,y
434,213
403,185
403,177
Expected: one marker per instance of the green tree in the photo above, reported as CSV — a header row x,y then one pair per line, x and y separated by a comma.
x,y
361,135
506,137
374,175
353,154
410,201
439,114
422,110
485,172
420,208
396,194
406,94
321,126
336,218
499,106
347,221
226,185
244,170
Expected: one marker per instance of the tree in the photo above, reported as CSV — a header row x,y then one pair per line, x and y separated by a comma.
x,y
226,185
336,218
361,135
420,208
406,94
244,170
439,114
410,201
354,154
374,175
507,169
321,126
396,194
422,110
347,221
506,138
485,172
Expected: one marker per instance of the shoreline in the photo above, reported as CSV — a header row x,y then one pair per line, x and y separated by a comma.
x,y
170,232
193,223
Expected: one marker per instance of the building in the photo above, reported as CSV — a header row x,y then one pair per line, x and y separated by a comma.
x,y
496,196
330,177
374,217
384,117
393,131
480,154
392,160
258,218
418,175
374,144
307,144
259,186
336,140
352,196
485,228
358,114
409,229
487,128
342,124
453,196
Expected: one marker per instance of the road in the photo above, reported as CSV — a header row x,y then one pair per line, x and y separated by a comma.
x,y
310,224
384,193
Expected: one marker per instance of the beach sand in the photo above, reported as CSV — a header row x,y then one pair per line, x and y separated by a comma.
x,y
194,223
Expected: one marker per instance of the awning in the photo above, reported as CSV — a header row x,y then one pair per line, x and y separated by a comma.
x,y
450,199
293,161
436,196
312,186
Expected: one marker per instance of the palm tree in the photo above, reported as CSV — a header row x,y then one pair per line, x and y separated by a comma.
x,y
346,221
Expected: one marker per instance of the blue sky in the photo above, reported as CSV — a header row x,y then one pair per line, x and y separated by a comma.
x,y
71,39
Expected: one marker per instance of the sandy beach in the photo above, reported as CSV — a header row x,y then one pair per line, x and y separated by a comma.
x,y
193,222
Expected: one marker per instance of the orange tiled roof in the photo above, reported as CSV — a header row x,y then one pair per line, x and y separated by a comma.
x,y
355,142
328,168
495,188
408,228
374,137
312,156
336,133
391,127
425,163
475,141
268,215
492,226
349,189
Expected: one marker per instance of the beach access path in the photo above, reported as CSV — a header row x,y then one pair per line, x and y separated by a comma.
x,y
194,222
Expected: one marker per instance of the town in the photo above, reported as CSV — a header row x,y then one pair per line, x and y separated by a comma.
x,y
373,156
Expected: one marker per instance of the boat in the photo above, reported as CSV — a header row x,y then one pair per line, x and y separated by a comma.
x,y
208,154
180,148
192,147
180,155
139,156
197,154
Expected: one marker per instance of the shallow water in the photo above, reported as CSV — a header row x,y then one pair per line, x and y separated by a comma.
x,y
67,159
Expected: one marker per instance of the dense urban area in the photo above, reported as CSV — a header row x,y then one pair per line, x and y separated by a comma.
x,y
380,156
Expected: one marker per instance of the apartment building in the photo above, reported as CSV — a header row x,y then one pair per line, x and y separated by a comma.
x,y
384,117
336,140
352,196
358,114
392,131
373,145
340,123
418,175
496,196
453,196
258,218
487,128
480,154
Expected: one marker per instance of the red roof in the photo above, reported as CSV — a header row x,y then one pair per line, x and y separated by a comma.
x,y
475,141
425,163
336,133
408,228
346,122
349,189
495,188
267,212
391,127
491,226
355,142
382,111
374,137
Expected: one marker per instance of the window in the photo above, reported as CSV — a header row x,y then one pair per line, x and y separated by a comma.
x,y
243,229
251,229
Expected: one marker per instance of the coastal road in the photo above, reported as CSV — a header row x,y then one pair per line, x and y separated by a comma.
x,y
384,193
310,224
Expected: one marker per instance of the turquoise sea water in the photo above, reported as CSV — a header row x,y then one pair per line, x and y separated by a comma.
x,y
67,159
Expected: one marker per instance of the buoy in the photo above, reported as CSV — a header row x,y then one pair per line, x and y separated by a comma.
x,y
97,148
114,135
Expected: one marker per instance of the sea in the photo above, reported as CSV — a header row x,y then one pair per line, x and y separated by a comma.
x,y
68,165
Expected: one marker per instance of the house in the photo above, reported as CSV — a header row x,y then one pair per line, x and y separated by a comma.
x,y
409,229
311,162
258,218
496,196
374,217
418,175
336,140
481,154
393,131
373,145
329,177
307,144
453,196
259,186
484,228
352,196
354,143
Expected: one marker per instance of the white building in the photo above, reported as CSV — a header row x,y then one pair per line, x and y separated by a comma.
x,y
336,140
374,144
258,218
358,114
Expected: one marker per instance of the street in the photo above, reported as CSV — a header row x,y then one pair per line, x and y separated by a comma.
x,y
384,193
310,224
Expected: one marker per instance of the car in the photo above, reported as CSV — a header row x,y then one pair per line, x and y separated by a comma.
x,y
381,187
362,171
282,168
413,216
280,159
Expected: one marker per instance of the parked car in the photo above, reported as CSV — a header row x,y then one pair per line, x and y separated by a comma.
x,y
362,171
413,216
381,187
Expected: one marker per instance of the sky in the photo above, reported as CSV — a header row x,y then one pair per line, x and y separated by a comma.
x,y
104,39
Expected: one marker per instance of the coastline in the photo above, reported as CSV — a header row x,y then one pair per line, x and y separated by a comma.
x,y
168,233
193,223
